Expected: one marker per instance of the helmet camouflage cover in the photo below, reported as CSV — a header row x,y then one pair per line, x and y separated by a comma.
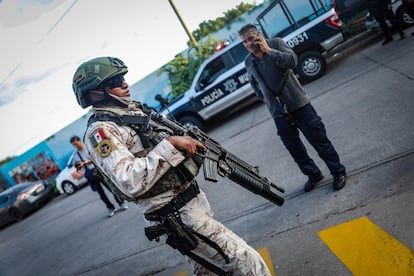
x,y
91,74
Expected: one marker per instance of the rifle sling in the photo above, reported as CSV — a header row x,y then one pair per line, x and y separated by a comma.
x,y
210,266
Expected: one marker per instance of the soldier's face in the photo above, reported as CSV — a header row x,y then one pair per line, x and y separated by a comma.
x,y
121,91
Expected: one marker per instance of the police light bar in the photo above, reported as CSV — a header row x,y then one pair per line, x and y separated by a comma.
x,y
221,45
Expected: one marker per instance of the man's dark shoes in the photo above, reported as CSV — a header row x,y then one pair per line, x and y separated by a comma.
x,y
339,182
387,40
310,185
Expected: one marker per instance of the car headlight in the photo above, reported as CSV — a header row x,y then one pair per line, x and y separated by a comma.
x,y
23,196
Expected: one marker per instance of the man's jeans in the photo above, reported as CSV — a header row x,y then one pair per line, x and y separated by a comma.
x,y
310,124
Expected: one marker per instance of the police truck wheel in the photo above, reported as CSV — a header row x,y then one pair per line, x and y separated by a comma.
x,y
192,121
68,187
311,65
405,20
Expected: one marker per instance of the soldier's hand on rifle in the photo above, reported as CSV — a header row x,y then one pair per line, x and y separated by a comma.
x,y
187,144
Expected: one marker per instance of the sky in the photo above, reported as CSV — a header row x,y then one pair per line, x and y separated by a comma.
x,y
44,41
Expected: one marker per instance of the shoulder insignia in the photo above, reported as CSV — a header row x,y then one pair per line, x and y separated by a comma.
x,y
101,142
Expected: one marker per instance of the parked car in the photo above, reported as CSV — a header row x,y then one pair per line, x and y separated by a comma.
x,y
219,87
18,201
69,180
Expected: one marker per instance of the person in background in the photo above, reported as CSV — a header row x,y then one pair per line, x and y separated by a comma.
x,y
382,11
269,66
95,181
163,101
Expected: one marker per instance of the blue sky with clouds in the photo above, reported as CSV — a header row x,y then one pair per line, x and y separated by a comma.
x,y
43,42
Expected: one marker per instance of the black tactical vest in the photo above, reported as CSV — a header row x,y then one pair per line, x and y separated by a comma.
x,y
176,178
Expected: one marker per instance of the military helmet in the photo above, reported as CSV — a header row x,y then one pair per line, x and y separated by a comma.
x,y
91,74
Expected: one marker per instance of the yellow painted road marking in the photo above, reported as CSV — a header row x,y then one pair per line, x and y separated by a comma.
x,y
366,249
264,252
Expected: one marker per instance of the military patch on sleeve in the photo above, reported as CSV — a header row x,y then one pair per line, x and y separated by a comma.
x,y
101,143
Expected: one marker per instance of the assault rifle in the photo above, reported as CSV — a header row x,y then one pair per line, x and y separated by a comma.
x,y
218,161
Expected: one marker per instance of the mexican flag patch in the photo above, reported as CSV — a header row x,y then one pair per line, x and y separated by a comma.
x,y
97,137
101,143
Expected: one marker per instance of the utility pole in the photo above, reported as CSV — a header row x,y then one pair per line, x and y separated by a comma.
x,y
190,35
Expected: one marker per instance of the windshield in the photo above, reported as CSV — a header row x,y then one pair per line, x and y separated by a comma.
x,y
283,17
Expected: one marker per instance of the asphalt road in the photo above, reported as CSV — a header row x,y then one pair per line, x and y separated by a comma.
x,y
366,102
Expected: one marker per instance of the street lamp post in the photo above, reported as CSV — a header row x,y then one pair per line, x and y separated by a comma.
x,y
190,35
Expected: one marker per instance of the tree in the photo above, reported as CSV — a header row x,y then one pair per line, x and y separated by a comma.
x,y
7,159
182,69
206,28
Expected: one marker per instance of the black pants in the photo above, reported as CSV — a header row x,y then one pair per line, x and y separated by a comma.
x,y
99,188
381,15
310,124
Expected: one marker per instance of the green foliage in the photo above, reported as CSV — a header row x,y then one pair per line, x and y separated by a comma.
x,y
7,159
206,28
182,69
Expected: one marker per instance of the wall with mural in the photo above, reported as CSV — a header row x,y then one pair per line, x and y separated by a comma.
x,y
38,163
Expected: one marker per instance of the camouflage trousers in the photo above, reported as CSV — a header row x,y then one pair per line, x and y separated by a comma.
x,y
244,260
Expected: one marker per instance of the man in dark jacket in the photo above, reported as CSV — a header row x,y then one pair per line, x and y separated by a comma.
x,y
269,66
382,10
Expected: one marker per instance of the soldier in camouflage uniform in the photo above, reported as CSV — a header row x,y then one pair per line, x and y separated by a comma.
x,y
144,168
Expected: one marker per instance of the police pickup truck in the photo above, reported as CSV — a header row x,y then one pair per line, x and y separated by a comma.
x,y
221,84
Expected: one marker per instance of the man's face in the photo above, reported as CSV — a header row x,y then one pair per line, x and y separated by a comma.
x,y
77,144
249,38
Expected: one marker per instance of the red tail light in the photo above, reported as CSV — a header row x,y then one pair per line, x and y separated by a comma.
x,y
334,21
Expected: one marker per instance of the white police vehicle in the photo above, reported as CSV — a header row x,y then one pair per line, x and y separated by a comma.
x,y
221,85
